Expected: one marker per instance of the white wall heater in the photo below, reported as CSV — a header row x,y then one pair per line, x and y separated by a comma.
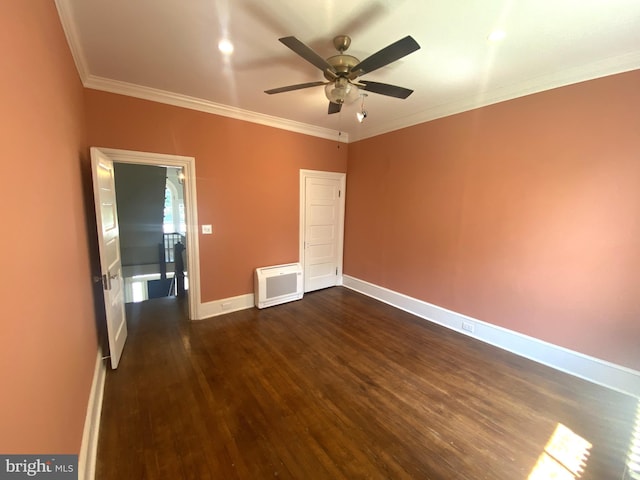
x,y
278,284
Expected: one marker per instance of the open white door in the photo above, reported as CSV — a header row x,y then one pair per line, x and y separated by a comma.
x,y
109,246
322,215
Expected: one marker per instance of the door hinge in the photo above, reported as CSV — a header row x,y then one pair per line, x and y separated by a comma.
x,y
336,270
339,193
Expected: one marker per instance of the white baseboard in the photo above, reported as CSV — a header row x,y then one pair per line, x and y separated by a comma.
x,y
89,447
225,305
598,371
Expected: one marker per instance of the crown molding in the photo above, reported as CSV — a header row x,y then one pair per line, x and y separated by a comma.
x,y
185,101
73,38
89,80
603,68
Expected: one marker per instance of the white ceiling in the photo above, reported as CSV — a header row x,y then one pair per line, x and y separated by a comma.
x,y
166,50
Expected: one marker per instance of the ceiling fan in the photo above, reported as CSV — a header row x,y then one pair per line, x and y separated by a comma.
x,y
341,71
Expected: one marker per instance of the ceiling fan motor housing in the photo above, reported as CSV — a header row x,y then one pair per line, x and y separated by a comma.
x,y
342,65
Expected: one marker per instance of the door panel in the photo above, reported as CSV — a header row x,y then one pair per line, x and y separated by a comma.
x,y
323,251
321,231
109,248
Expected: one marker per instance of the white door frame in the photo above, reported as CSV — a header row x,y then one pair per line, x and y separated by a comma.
x,y
342,177
190,206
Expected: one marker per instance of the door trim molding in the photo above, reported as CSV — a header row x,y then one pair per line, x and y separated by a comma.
x,y
342,177
190,206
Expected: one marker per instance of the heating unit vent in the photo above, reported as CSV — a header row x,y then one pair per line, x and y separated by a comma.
x,y
277,284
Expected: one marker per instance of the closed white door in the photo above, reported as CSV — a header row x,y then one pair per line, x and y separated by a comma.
x,y
109,246
323,229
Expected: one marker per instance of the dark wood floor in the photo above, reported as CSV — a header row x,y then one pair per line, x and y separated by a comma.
x,y
338,386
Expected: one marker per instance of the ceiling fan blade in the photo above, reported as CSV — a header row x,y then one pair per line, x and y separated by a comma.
x,y
334,107
289,88
389,54
305,52
385,89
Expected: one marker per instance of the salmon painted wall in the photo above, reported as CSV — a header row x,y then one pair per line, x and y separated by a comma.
x,y
247,180
524,214
48,340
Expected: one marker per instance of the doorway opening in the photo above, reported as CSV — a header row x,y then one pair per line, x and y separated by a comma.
x,y
152,222
163,232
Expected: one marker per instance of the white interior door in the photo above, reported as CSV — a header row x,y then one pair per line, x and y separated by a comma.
x,y
109,246
322,229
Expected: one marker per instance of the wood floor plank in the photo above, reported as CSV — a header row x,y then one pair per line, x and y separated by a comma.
x,y
338,386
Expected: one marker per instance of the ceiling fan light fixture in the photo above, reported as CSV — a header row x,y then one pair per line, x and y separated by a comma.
x,y
362,114
338,92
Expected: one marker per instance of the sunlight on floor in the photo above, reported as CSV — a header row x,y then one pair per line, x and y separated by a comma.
x,y
633,458
564,457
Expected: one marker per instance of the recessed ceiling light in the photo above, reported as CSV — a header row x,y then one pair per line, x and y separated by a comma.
x,y
225,46
496,35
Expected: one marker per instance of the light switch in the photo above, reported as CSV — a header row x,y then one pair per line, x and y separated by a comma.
x,y
207,230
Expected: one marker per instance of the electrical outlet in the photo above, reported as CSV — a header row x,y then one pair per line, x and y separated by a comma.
x,y
468,326
207,229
